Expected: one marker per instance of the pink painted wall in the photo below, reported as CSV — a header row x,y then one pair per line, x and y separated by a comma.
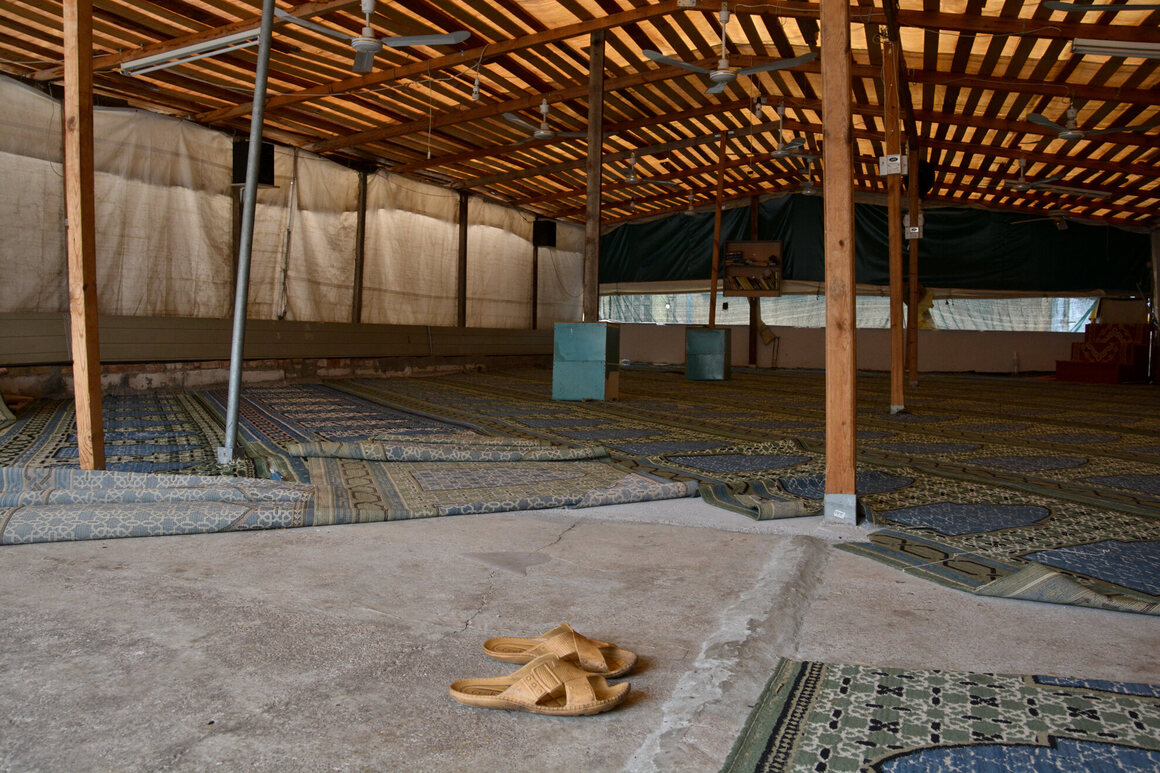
x,y
938,350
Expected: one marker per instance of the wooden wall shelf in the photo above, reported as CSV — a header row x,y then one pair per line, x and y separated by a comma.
x,y
751,269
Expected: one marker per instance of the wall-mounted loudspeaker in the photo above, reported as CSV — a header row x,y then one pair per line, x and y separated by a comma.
x,y
265,164
544,233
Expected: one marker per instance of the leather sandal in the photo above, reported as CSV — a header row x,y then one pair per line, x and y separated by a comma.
x,y
597,657
547,685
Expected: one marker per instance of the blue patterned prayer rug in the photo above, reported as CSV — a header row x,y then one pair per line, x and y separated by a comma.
x,y
951,519
827,717
49,505
157,432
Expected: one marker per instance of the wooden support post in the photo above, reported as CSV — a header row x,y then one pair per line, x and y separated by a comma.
x,y
717,229
840,501
894,202
461,283
535,287
360,249
1153,320
591,299
754,302
80,201
914,210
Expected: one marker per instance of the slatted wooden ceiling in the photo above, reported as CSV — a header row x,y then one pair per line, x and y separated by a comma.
x,y
975,71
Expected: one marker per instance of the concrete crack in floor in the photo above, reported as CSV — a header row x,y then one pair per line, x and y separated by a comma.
x,y
483,602
559,537
701,717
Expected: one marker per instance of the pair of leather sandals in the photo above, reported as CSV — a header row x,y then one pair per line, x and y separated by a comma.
x,y
564,673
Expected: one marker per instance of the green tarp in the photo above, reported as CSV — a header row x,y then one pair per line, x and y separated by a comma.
x,y
961,248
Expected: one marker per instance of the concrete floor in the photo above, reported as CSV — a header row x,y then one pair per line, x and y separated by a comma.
x,y
332,648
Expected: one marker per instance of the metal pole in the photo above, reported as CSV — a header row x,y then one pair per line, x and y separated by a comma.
x,y
227,453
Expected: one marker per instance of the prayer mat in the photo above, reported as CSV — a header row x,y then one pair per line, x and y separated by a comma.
x,y
6,415
271,419
49,505
149,433
823,717
980,500
380,481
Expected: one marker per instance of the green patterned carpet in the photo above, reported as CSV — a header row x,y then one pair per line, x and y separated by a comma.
x,y
822,717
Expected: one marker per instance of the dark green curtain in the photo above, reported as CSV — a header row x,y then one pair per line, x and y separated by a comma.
x,y
961,249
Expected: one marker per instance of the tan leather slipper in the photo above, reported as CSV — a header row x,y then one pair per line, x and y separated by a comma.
x,y
547,685
597,657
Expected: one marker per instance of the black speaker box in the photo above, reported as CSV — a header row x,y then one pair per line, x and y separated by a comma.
x,y
265,163
544,233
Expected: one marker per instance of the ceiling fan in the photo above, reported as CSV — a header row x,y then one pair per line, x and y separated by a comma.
x,y
1076,8
543,131
723,75
367,45
791,149
1022,184
1070,131
632,179
807,187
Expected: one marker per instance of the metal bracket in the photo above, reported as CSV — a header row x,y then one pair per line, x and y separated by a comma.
x,y
893,164
913,231
840,508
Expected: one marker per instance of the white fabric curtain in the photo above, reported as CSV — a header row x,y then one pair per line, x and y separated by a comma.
x,y
302,263
32,249
162,211
412,253
561,277
499,266
163,216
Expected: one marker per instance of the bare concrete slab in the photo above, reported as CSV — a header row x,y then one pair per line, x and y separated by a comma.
x,y
333,648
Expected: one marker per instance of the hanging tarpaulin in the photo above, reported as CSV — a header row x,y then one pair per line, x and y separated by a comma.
x,y
678,247
961,248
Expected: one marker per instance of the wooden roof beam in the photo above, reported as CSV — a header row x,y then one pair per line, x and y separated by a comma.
x,y
619,128
460,58
933,118
489,111
1134,96
109,61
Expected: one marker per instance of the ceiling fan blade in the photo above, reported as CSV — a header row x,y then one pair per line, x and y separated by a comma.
x,y
1140,127
1074,8
779,64
1045,181
793,144
670,183
1042,120
660,58
449,39
572,135
1078,191
364,61
717,88
310,25
520,122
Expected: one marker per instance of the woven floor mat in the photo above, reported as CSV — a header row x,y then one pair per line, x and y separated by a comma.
x,y
983,508
148,433
827,717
